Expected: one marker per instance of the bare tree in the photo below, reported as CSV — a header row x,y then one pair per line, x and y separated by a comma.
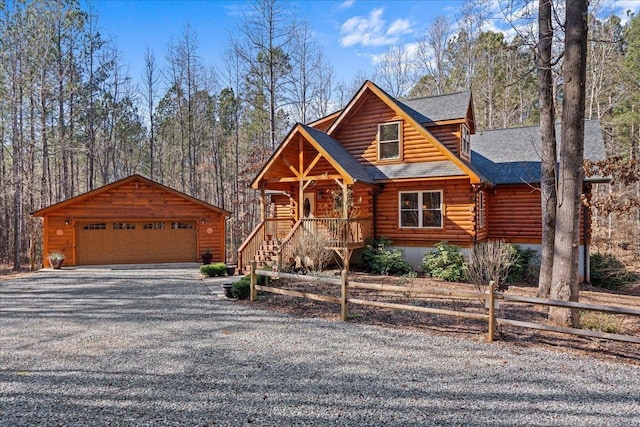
x,y
564,285
432,58
395,71
265,49
548,145
150,93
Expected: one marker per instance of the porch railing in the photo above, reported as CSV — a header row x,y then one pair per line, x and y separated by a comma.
x,y
274,228
338,232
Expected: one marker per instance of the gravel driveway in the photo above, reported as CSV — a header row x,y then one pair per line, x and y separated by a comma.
x,y
163,347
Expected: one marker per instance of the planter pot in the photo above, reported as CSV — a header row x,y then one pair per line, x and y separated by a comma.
x,y
231,270
206,258
56,264
226,287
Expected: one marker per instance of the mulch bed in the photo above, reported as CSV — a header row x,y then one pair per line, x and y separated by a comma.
x,y
455,326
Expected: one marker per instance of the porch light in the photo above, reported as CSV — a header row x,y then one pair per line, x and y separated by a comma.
x,y
67,221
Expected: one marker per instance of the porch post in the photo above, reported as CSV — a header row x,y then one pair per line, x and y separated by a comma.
x,y
263,204
345,208
300,200
301,182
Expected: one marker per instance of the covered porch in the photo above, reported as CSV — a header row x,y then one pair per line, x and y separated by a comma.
x,y
310,187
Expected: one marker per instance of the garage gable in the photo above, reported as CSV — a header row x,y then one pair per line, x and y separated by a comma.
x,y
134,220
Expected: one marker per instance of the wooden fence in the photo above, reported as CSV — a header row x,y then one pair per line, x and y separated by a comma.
x,y
491,301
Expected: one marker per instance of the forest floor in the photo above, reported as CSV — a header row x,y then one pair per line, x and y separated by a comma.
x,y
629,296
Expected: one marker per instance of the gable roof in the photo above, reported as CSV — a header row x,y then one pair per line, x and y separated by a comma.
x,y
340,154
512,156
413,118
116,184
437,108
332,151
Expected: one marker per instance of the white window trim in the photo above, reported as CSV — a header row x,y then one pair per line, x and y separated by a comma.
x,y
420,194
399,156
465,134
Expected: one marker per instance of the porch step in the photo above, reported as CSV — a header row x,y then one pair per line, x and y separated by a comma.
x,y
265,256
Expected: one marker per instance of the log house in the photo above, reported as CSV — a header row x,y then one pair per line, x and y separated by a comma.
x,y
416,172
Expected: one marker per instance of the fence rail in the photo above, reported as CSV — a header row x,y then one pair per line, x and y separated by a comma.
x,y
490,297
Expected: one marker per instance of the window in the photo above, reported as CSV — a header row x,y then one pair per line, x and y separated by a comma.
x,y
389,141
153,226
95,226
465,138
421,209
181,226
481,209
123,226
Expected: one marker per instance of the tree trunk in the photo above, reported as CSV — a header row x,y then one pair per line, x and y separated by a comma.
x,y
564,285
547,147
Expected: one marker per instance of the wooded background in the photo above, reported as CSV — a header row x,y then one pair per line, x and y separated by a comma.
x,y
72,119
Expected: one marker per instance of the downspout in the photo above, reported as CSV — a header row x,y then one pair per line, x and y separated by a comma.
x,y
476,189
585,230
475,214
374,200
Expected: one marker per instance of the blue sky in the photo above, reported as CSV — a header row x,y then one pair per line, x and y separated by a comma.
x,y
351,32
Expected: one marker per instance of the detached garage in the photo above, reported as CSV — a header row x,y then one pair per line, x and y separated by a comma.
x,y
133,221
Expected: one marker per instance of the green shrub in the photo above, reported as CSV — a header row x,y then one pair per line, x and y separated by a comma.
x,y
242,288
608,272
379,258
602,322
446,262
525,267
213,270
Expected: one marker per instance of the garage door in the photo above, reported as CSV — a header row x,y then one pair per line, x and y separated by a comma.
x,y
135,242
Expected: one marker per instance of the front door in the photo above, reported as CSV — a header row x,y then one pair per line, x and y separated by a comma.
x,y
309,205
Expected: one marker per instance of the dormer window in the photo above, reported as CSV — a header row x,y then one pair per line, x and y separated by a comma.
x,y
465,140
389,141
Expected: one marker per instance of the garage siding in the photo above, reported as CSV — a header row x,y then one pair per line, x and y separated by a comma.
x,y
135,201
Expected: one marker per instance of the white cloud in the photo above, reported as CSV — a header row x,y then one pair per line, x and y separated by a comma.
x,y
399,26
370,30
346,4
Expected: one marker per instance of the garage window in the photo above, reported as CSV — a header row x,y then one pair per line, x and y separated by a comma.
x,y
123,226
153,226
181,226
95,226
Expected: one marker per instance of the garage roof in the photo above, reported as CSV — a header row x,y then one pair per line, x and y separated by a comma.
x,y
132,178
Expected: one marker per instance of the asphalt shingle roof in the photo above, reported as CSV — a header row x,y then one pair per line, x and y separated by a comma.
x,y
440,107
512,156
414,170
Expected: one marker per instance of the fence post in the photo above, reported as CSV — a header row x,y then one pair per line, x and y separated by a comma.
x,y
343,295
254,281
492,314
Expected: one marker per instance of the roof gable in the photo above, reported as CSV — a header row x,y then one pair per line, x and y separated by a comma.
x,y
410,116
328,148
106,189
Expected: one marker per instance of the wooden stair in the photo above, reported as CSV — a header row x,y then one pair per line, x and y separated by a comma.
x,y
265,256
